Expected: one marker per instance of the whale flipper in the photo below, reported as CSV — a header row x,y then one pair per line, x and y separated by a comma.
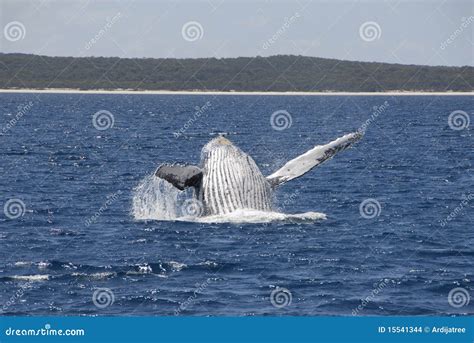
x,y
312,158
180,176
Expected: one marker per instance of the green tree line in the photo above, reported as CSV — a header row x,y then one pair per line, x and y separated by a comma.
x,y
275,73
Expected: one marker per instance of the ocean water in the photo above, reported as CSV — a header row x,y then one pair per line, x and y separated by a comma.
x,y
385,228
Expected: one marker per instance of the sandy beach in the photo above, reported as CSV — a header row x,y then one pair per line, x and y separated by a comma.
x,y
169,92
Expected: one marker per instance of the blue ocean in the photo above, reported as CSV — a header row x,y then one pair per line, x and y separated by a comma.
x,y
384,228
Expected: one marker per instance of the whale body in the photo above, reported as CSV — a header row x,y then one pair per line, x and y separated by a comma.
x,y
228,179
231,180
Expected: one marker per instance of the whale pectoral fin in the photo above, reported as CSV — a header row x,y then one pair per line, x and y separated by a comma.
x,y
312,158
180,176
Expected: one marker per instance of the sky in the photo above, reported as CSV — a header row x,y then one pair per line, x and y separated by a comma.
x,y
428,32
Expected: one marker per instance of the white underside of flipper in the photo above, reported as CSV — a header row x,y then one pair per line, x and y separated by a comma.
x,y
312,158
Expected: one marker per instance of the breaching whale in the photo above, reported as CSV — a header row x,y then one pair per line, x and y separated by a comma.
x,y
228,179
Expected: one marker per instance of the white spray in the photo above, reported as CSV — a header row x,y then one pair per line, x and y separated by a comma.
x,y
157,199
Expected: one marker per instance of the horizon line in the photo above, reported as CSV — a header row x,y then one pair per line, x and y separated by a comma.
x,y
201,92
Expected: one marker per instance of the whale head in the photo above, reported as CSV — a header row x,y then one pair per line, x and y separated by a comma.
x,y
231,179
219,142
216,142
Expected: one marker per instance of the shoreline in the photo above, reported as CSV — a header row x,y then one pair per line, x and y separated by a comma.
x,y
169,92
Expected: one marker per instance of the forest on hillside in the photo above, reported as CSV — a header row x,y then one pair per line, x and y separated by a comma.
x,y
275,73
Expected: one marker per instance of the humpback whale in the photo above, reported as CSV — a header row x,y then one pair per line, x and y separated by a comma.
x,y
228,179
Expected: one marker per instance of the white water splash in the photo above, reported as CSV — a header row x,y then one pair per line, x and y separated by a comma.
x,y
156,199
254,216
30,278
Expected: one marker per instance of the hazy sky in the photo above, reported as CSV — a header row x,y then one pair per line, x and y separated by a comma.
x,y
408,32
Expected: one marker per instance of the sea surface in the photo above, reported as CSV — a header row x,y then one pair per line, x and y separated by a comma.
x,y
85,229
